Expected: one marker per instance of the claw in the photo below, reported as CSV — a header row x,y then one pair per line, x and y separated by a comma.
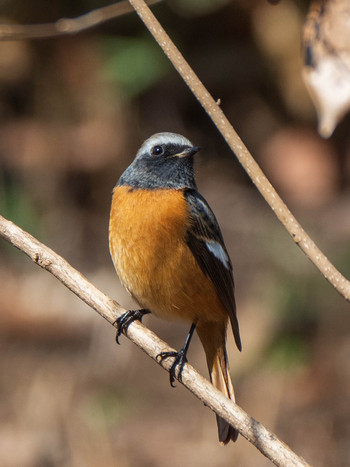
x,y
126,319
179,363
180,358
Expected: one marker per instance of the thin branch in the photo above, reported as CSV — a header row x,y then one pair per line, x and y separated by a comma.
x,y
274,449
65,26
300,237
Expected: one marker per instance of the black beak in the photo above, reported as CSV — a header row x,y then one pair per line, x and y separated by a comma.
x,y
189,152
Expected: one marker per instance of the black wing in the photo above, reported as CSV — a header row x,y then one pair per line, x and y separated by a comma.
x,y
207,245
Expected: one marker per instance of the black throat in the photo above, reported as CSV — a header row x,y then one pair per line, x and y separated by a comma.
x,y
174,173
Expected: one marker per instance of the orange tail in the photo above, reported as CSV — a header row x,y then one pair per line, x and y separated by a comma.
x,y
213,338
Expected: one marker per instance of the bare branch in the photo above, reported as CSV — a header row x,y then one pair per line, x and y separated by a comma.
x,y
300,237
274,449
64,26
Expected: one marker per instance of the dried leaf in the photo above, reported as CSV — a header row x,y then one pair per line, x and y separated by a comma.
x,y
326,42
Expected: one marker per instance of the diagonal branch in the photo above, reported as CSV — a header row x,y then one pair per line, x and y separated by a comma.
x,y
65,26
300,237
274,449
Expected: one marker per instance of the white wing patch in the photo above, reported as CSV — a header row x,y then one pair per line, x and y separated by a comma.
x,y
217,250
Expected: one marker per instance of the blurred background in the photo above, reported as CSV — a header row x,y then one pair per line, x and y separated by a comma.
x,y
73,112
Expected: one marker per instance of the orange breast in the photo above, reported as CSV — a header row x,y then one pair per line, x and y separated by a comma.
x,y
147,244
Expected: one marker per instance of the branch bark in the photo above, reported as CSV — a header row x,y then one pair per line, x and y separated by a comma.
x,y
300,237
274,449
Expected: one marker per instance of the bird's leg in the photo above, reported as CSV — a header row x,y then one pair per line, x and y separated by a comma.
x,y
126,319
180,357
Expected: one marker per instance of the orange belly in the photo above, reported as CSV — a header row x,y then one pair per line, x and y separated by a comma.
x,y
147,244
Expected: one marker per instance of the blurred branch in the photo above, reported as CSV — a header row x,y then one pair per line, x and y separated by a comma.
x,y
300,237
279,453
12,32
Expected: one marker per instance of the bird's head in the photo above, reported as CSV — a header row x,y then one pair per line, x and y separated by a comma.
x,y
165,160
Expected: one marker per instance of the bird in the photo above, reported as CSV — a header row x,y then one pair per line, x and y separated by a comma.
x,y
169,253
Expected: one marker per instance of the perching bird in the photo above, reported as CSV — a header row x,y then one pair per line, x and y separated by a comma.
x,y
169,253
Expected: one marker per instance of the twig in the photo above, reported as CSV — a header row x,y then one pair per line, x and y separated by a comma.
x,y
274,449
300,237
64,26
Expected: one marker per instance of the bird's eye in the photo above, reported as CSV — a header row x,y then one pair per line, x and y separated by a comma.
x,y
157,150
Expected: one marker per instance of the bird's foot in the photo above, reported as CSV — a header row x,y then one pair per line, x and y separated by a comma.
x,y
180,358
178,364
126,319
